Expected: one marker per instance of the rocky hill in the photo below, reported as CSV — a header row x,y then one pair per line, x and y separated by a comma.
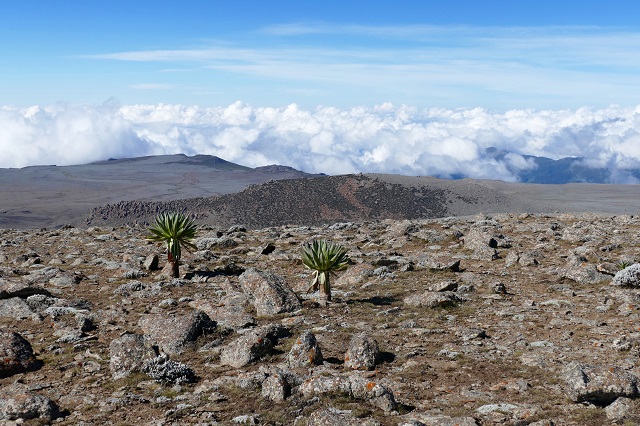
x,y
327,199
510,319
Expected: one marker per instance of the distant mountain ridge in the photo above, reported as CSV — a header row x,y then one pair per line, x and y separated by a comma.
x,y
561,171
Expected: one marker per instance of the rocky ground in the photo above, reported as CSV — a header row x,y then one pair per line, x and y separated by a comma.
x,y
512,319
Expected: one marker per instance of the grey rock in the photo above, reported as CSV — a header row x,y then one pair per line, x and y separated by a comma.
x,y
17,402
64,279
438,262
16,355
14,288
275,387
426,419
267,249
211,243
15,307
356,274
335,417
40,302
129,288
623,409
269,292
252,346
607,268
502,407
432,299
151,262
485,253
128,354
628,277
598,385
352,385
132,273
362,353
447,285
305,351
164,370
585,274
231,314
175,333
247,419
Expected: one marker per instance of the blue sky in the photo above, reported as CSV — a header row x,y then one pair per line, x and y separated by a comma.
x,y
492,54
410,87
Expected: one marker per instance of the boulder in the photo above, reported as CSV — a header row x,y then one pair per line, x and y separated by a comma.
x,y
628,277
351,385
16,355
433,299
597,384
128,354
252,346
175,333
363,353
18,403
268,292
305,352
335,417
16,308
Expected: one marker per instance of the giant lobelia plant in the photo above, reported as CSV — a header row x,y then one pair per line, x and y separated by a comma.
x,y
176,230
324,258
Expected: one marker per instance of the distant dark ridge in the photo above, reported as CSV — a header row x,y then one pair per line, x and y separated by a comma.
x,y
321,200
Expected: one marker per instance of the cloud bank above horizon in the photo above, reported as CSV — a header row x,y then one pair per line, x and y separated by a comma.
x,y
380,139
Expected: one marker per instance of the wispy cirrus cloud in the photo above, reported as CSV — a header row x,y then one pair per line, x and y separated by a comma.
x,y
495,67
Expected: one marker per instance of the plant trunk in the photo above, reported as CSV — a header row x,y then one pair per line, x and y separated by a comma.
x,y
175,269
175,266
324,288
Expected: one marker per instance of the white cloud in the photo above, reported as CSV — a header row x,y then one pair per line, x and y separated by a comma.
x,y
381,139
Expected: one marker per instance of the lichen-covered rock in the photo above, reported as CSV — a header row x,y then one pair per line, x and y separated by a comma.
x,y
628,277
269,292
275,387
17,402
598,385
446,285
335,417
229,312
363,353
174,333
437,262
16,355
624,410
305,351
164,370
352,385
427,419
252,345
128,354
585,274
15,308
433,299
